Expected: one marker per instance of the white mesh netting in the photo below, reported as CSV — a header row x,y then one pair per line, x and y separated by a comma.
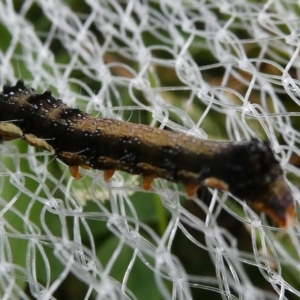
x,y
216,69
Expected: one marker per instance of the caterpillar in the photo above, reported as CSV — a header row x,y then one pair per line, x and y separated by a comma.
x,y
248,170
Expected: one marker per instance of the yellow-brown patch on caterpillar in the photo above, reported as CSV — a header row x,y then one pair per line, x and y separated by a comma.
x,y
215,183
113,164
10,131
72,158
87,167
149,170
32,140
189,176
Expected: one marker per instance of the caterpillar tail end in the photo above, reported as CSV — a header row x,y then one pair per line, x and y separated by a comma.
x,y
278,204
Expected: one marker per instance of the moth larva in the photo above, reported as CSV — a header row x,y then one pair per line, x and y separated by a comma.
x,y
248,170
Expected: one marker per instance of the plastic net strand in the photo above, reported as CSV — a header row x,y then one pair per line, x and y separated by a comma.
x,y
224,70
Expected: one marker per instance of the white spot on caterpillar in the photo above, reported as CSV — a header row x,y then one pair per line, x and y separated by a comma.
x,y
10,130
37,142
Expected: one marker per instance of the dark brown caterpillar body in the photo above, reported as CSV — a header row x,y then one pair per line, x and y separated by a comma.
x,y
248,170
